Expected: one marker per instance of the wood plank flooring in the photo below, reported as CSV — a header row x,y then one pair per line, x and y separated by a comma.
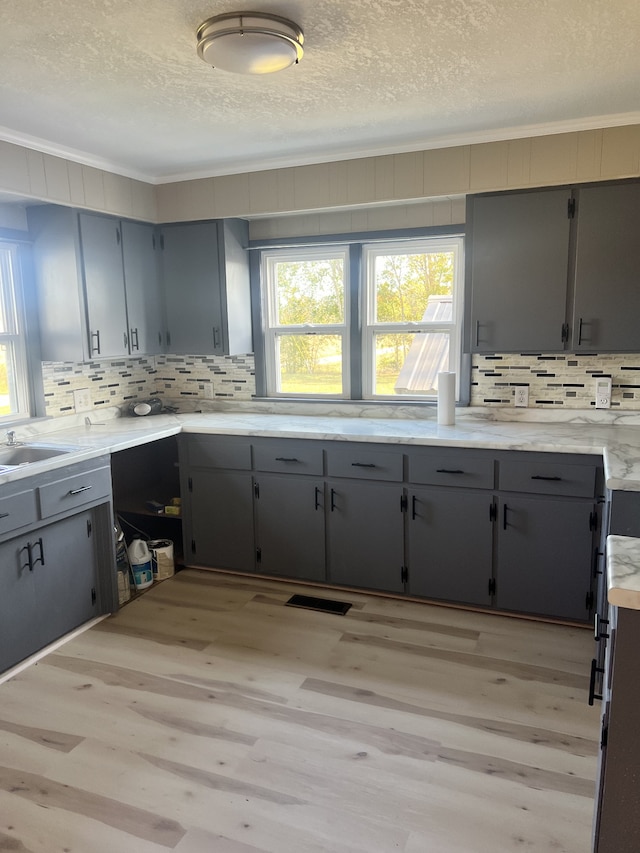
x,y
207,717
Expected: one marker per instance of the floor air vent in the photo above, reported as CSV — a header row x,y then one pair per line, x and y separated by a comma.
x,y
325,605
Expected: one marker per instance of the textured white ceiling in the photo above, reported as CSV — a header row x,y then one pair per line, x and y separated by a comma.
x,y
119,82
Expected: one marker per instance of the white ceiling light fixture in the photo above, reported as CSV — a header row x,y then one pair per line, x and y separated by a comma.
x,y
250,42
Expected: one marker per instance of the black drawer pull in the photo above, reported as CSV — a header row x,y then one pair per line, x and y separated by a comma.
x,y
595,670
449,471
540,477
363,465
4,514
78,491
286,459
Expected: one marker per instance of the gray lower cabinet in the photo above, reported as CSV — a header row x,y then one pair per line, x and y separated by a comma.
x,y
365,524
290,526
49,585
545,557
515,530
450,545
220,515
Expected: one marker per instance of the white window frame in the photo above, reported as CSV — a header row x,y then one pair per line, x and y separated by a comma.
x,y
14,337
370,327
273,331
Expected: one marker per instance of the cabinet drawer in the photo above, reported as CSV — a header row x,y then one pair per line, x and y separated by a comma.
x,y
437,468
77,490
548,478
291,457
17,511
208,451
365,463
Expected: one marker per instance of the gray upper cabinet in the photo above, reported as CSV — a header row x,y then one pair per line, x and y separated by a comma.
x,y
607,277
554,269
144,298
517,271
97,285
101,241
205,272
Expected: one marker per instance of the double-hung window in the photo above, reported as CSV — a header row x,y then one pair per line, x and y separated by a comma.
x,y
306,321
405,297
411,311
14,398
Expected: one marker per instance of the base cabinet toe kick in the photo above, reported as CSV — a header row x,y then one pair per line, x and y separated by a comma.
x,y
56,556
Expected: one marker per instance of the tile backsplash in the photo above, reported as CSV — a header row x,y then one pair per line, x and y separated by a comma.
x,y
170,377
563,380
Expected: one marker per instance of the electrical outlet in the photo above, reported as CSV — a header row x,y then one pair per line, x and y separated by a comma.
x,y
521,395
208,391
603,392
82,400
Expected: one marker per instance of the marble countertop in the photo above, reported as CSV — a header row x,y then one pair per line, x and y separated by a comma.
x,y
617,443
623,571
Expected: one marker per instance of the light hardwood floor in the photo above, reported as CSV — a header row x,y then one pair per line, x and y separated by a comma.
x,y
206,717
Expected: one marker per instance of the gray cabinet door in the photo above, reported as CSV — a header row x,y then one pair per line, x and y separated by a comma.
x,y
290,526
104,285
220,508
365,535
144,296
18,639
607,291
450,544
518,267
66,582
545,549
191,281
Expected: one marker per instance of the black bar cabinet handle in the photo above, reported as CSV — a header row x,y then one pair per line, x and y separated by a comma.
x,y
579,342
333,500
504,517
413,507
78,491
362,465
28,564
551,479
449,471
4,515
39,559
595,669
286,459
317,505
477,332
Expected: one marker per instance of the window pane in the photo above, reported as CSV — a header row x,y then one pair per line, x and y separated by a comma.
x,y
309,291
7,381
6,292
309,364
406,284
409,364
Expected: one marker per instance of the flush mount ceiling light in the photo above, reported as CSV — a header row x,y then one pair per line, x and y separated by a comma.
x,y
250,42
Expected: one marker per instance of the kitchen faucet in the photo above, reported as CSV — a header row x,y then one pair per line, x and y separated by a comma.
x,y
11,438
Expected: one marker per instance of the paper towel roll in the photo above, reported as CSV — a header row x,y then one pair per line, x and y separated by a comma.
x,y
446,398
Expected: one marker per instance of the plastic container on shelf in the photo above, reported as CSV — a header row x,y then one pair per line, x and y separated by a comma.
x,y
140,559
162,558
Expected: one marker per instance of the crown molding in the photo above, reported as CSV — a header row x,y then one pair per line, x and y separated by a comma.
x,y
83,158
316,158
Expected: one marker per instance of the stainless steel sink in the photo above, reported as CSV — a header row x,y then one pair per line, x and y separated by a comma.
x,y
25,454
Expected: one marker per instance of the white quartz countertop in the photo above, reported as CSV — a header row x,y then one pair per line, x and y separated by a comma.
x,y
623,571
619,444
